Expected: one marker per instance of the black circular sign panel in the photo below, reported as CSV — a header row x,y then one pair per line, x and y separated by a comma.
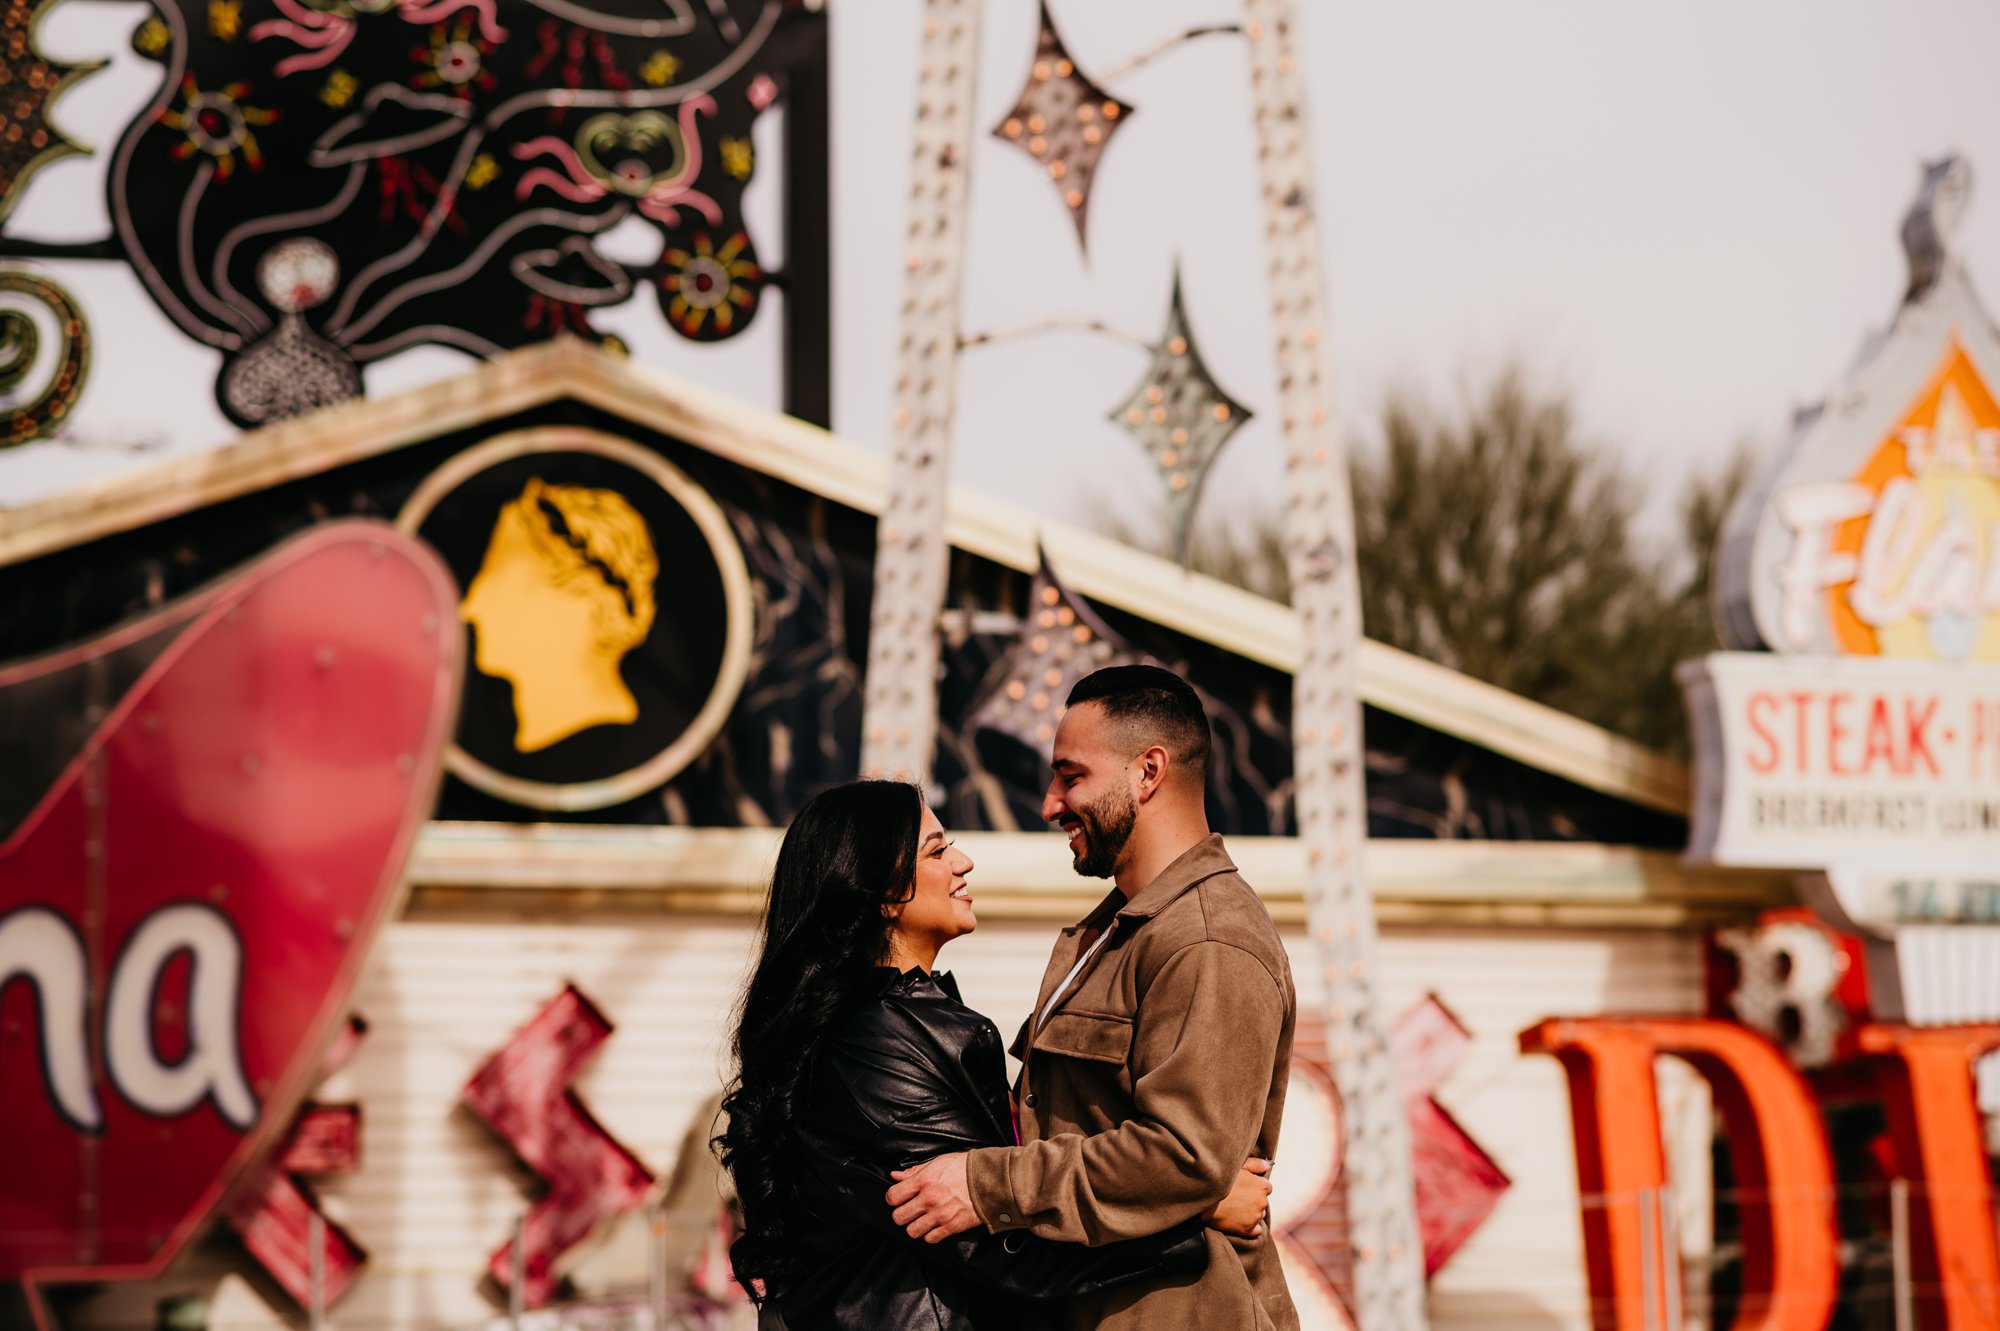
x,y
682,674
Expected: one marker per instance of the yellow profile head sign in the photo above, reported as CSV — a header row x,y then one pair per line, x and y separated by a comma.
x,y
565,591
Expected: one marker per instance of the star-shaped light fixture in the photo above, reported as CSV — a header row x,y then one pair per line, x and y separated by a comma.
x,y
1061,640
1181,417
1064,121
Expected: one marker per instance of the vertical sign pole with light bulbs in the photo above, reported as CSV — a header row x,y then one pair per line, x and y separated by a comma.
x,y
900,693
912,554
1326,706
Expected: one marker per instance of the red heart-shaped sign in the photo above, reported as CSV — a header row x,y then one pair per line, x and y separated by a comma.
x,y
184,913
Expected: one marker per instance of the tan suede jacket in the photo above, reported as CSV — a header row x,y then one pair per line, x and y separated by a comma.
x,y
1159,1071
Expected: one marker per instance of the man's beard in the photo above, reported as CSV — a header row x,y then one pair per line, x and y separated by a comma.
x,y
1107,826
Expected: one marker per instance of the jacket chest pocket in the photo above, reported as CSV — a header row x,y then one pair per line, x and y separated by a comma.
x,y
1095,1036
1089,1054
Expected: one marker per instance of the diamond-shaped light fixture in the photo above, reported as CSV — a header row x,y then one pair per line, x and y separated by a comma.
x,y
1064,121
1181,417
1061,640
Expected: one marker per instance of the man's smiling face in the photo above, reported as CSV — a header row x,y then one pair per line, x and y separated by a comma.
x,y
1090,791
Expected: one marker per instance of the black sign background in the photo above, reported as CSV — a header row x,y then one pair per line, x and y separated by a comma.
x,y
796,725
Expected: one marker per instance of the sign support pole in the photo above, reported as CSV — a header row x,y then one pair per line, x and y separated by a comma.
x,y
1899,1253
1327,749
316,1271
1671,1275
1649,1252
518,1273
656,1265
912,555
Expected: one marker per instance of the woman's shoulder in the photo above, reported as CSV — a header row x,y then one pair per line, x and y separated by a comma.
x,y
910,1017
912,1057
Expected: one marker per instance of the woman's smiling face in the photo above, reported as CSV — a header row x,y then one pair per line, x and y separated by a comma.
x,y
940,904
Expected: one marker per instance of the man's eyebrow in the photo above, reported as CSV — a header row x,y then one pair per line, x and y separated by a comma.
x,y
1070,764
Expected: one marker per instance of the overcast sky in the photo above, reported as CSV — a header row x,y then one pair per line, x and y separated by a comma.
x,y
1684,211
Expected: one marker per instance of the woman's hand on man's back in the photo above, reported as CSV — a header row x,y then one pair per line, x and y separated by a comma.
x,y
1248,1205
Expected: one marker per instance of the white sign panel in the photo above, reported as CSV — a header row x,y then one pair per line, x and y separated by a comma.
x,y
1886,767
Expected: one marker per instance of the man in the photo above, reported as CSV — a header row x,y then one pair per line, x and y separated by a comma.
x,y
1156,1057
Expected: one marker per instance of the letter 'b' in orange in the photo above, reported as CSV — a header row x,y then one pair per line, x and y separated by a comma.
x,y
1777,1147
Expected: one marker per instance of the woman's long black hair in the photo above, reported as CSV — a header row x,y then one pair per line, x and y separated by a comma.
x,y
849,851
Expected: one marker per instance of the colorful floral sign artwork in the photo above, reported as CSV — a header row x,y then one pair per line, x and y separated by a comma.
x,y
323,183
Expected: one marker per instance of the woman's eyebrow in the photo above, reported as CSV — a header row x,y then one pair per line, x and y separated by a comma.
x,y
935,836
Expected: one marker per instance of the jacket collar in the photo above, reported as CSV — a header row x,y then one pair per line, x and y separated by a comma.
x,y
915,981
1205,859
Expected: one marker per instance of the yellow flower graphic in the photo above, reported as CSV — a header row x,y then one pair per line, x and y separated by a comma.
x,y
218,124
152,37
708,285
225,19
455,60
737,158
339,89
659,69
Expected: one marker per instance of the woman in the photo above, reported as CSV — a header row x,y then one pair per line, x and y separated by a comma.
x,y
854,1058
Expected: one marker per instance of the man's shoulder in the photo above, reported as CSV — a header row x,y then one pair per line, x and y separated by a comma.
x,y
1224,909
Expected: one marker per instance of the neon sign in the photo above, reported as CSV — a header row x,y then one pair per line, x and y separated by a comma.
x,y
1903,558
185,910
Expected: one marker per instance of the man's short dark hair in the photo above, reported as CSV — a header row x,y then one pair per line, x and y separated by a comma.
x,y
1156,706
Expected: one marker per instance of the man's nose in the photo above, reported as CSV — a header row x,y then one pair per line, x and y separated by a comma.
x,y
1052,805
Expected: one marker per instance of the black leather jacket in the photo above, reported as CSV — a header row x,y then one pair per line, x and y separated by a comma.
x,y
911,1075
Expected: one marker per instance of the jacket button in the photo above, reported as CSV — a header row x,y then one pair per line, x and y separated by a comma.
x,y
1029,1100
1006,1219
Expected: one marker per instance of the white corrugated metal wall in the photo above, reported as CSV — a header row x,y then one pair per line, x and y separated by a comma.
x,y
436,1193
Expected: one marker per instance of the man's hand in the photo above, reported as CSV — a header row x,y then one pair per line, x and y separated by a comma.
x,y
1246,1208
932,1200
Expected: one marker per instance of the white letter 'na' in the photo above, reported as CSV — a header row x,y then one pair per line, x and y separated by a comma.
x,y
213,1064
39,946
